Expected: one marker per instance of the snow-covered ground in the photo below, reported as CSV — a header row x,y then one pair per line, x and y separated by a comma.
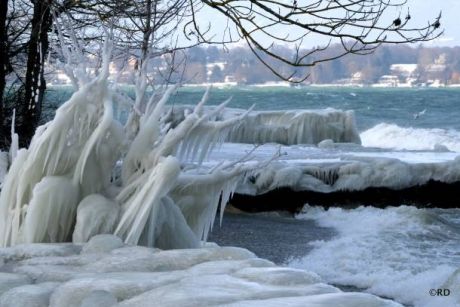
x,y
105,272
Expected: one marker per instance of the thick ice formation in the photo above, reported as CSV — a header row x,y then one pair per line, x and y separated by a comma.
x,y
96,214
46,181
340,167
50,275
69,184
296,127
3,166
283,127
352,174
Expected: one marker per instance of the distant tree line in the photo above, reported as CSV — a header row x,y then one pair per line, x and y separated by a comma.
x,y
241,65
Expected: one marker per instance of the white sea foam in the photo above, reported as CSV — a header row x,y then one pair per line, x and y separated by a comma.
x,y
400,253
395,137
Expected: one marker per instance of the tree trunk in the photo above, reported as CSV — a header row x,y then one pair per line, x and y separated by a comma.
x,y
35,84
3,65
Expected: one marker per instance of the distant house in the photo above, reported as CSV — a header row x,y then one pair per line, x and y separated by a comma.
x,y
387,81
357,78
403,70
214,71
221,65
439,64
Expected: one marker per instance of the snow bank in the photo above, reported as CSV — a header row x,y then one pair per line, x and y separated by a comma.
x,y
137,276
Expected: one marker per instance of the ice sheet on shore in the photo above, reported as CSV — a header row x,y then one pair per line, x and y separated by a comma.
x,y
340,167
138,276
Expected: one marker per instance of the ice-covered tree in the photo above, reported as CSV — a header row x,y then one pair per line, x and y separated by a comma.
x,y
84,173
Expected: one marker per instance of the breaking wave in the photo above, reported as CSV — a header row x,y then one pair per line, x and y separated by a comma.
x,y
395,137
400,253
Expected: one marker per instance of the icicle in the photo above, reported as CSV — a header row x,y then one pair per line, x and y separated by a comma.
x,y
146,201
3,167
51,211
200,195
145,139
14,139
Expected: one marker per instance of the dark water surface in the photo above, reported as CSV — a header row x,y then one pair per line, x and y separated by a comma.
x,y
371,105
273,236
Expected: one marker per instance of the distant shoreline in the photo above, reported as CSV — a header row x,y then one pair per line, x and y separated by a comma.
x,y
294,87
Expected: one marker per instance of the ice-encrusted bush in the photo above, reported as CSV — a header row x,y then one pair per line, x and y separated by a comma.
x,y
63,186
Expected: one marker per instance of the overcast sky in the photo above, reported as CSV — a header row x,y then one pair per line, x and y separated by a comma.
x,y
420,10
427,9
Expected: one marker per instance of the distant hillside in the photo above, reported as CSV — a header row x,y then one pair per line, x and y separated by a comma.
x,y
389,65
240,65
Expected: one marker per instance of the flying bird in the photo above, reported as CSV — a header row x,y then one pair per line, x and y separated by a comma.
x,y
417,115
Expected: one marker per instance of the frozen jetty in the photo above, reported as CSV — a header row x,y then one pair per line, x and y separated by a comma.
x,y
106,272
341,174
297,127
287,127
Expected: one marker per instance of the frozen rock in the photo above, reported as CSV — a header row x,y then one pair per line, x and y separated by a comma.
x,y
9,281
326,143
49,273
440,148
278,276
75,260
228,266
170,260
26,251
121,285
140,276
37,295
99,298
102,244
351,173
208,290
296,127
